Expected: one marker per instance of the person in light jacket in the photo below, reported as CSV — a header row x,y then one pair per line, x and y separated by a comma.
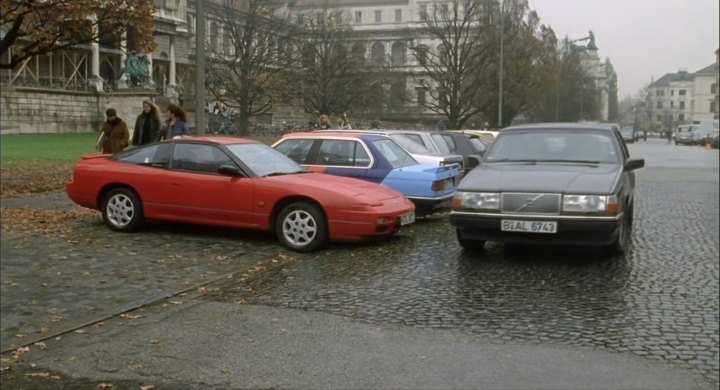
x,y
115,130
176,125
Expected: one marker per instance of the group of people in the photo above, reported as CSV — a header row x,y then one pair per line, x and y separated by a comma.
x,y
115,136
323,123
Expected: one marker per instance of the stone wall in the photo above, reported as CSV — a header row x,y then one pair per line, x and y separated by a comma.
x,y
37,110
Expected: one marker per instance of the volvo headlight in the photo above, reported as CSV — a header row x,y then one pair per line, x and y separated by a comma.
x,y
477,200
591,204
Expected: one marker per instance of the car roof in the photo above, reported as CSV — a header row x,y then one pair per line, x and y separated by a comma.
x,y
563,126
333,134
217,140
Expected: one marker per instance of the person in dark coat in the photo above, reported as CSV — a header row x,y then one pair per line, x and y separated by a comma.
x,y
117,135
147,124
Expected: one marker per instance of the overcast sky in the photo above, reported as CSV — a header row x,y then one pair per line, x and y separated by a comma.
x,y
642,38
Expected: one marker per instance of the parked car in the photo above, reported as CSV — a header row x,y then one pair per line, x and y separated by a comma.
x,y
628,134
487,136
419,152
238,183
553,183
684,135
447,142
376,158
438,142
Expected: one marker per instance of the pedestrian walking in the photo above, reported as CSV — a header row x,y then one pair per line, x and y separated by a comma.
x,y
176,125
344,123
116,135
147,124
324,122
668,135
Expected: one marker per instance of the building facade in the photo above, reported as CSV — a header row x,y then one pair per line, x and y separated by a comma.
x,y
383,33
683,98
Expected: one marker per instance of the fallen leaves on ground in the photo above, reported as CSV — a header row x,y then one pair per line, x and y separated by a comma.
x,y
26,219
34,177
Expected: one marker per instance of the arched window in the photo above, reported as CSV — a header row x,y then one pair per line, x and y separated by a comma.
x,y
422,54
397,94
399,53
358,52
308,56
377,92
339,51
214,36
227,44
443,54
378,54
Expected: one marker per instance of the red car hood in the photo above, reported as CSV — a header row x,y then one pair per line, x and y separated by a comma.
x,y
340,186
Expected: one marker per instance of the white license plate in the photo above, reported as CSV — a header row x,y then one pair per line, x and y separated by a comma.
x,y
510,225
407,219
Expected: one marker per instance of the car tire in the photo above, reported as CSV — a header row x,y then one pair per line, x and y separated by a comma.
x,y
122,210
622,241
468,244
301,227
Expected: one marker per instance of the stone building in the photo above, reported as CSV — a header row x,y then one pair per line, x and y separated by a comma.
x,y
69,90
684,97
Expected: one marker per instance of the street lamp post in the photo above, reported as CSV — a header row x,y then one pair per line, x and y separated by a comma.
x,y
200,67
500,71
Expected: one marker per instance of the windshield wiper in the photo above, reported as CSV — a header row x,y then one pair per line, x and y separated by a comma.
x,y
512,160
571,161
285,173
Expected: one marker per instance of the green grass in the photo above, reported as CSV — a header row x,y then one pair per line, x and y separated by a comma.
x,y
17,149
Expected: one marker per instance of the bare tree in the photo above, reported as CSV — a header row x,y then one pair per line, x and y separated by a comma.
x,y
460,50
248,60
332,77
34,27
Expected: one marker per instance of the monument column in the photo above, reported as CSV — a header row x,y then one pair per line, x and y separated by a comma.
x,y
95,81
122,82
172,85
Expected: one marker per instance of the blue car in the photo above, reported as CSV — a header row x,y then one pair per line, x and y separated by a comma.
x,y
376,158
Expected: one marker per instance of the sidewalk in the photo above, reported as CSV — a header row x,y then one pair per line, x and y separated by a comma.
x,y
207,345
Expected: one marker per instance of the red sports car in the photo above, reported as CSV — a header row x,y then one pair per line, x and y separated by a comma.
x,y
239,183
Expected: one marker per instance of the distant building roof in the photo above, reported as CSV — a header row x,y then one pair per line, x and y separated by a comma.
x,y
673,77
710,69
346,3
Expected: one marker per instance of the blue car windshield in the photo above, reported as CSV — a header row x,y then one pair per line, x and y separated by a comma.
x,y
264,160
394,153
553,146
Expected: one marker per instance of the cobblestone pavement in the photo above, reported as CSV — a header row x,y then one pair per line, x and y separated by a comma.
x,y
659,302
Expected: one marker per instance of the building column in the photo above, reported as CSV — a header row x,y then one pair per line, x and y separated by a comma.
x,y
123,80
172,85
151,81
95,82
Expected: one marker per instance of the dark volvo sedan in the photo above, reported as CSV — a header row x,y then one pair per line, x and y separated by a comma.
x,y
550,183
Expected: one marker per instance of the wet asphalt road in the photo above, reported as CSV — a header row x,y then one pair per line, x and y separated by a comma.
x,y
659,302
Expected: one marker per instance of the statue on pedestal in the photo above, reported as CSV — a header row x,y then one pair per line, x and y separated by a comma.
x,y
590,45
136,68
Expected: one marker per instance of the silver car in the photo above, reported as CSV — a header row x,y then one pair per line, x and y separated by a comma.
x,y
554,183
420,152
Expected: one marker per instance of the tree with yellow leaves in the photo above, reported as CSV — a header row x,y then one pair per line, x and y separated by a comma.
x,y
34,27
